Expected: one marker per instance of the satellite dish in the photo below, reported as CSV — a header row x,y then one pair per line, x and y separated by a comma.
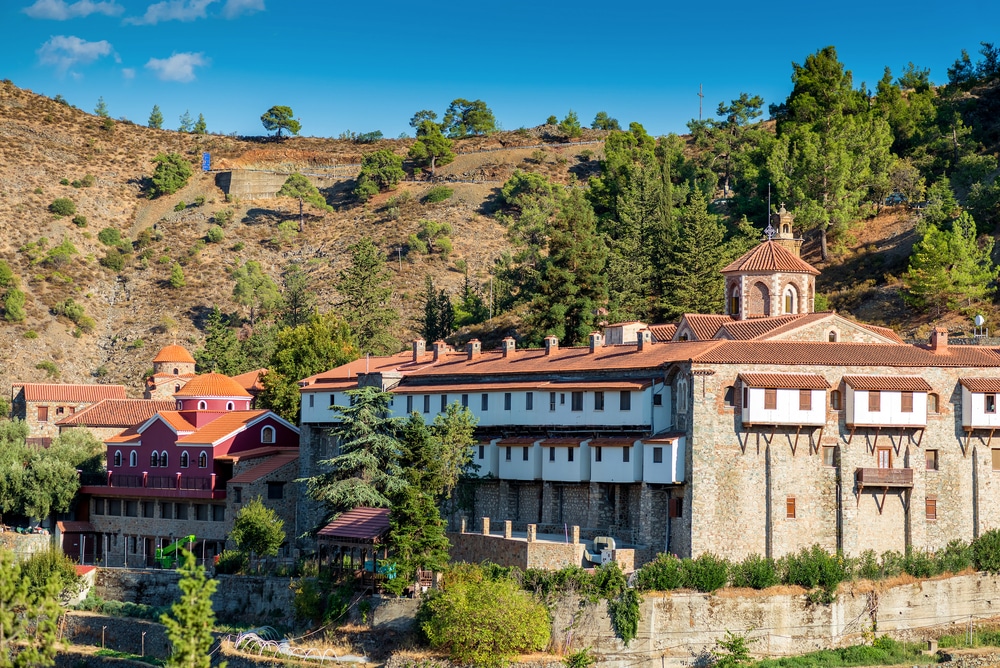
x,y
979,320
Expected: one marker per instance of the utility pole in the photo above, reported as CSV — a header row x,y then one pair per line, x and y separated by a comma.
x,y
701,98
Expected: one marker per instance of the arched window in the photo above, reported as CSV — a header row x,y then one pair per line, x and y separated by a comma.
x,y
933,403
734,301
835,400
163,458
267,435
785,228
832,337
202,405
118,458
229,406
203,460
133,459
791,300
185,460
177,387
154,459
180,405
759,303
176,372
682,395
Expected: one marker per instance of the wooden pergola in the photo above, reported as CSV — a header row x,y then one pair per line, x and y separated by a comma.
x,y
354,538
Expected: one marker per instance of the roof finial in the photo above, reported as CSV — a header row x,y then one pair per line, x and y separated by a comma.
x,y
769,231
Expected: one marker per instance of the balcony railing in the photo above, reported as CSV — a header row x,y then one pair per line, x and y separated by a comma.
x,y
177,482
884,477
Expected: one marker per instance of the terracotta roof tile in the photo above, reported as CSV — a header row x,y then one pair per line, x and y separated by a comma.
x,y
612,442
664,438
563,442
212,385
345,376
173,353
888,383
358,524
265,468
770,256
251,381
518,440
116,413
221,427
704,325
810,353
981,384
754,328
541,385
883,331
70,393
176,420
663,332
254,453
785,381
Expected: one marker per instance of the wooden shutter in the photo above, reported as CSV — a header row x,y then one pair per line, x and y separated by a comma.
x,y
906,402
675,507
790,507
805,400
43,413
874,401
996,459
770,399
931,508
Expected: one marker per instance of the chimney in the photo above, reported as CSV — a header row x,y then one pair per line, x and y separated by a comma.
x,y
939,341
644,338
419,347
473,348
551,344
440,348
595,341
508,346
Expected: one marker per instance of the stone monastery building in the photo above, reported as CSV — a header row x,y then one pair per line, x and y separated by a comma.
x,y
762,430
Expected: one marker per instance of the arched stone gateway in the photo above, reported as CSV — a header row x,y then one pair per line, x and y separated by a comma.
x,y
759,301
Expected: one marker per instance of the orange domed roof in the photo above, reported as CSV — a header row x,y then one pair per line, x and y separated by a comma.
x,y
174,353
212,385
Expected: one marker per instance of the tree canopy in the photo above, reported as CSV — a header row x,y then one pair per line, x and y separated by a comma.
x,y
365,297
280,118
468,117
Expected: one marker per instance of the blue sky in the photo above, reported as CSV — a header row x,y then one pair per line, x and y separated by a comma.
x,y
368,66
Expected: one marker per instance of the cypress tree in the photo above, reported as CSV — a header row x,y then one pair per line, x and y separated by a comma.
x,y
190,621
366,292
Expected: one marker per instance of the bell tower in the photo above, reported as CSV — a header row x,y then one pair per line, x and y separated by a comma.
x,y
782,222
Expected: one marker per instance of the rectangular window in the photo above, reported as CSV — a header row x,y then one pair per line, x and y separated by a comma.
x,y
829,455
805,400
552,401
115,507
166,511
931,460
562,398
770,399
874,401
43,413
657,455
569,454
626,454
746,397
485,402
625,401
529,401
552,454
884,458
444,403
333,399
507,453
218,513
275,490
201,512
427,403
312,400
482,451
577,401
180,511
506,401
131,509
657,399
524,455
675,507
147,508
790,508
465,401
930,508
409,404
598,401
991,404
60,410
597,454
906,402
98,506
996,459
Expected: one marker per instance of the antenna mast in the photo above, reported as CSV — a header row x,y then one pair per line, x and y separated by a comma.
x,y
701,97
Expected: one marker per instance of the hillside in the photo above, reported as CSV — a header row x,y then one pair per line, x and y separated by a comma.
x,y
45,142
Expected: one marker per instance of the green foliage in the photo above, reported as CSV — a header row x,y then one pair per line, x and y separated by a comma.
x,y
756,572
361,137
815,567
63,206
380,170
706,573
113,259
28,618
298,186
885,652
180,206
431,237
155,118
570,125
215,235
97,604
624,614
191,619
223,217
986,551
432,148
13,305
49,367
80,221
254,289
231,562
365,299
664,573
176,279
437,194
279,118
257,530
581,658
465,117
480,621
604,122
51,570
551,120
200,127
109,236
60,255
733,650
527,190
439,314
101,109
170,175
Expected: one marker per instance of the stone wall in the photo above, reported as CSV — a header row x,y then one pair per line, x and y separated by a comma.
x,y
285,507
477,548
123,634
243,184
25,545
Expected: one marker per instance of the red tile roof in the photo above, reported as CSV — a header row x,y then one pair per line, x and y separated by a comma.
x,y
541,385
663,438
563,442
267,467
888,383
770,256
70,393
212,385
883,331
704,325
72,526
177,420
981,384
173,353
251,381
785,381
221,427
754,328
367,524
254,453
663,332
612,442
116,413
518,440
810,353
345,376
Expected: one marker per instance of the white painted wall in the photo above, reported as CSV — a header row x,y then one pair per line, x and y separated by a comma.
x,y
974,411
489,463
517,468
613,468
671,469
890,413
563,470
787,411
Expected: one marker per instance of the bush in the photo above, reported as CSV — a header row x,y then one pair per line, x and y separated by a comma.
x,y
61,254
51,567
955,557
87,181
171,174
815,567
80,221
920,564
13,306
480,621
223,217
113,260
63,207
664,573
199,200
69,309
49,367
31,334
109,236
438,194
215,234
230,562
706,573
176,279
380,170
986,551
64,182
755,572
180,206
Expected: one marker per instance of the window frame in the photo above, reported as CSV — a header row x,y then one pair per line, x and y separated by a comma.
x,y
906,402
529,401
264,431
805,400
770,399
791,508
657,454
874,401
576,401
598,400
932,459
930,508
625,400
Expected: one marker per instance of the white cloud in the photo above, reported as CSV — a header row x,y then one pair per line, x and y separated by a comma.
x,y
63,52
178,67
60,10
128,72
236,8
172,10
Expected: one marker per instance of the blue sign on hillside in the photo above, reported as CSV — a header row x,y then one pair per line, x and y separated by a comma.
x,y
206,162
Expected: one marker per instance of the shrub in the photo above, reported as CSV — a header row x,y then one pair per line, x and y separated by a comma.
x,y
581,658
664,573
238,246
215,234
180,206
223,217
80,221
61,254
49,367
920,564
85,324
380,170
199,200
480,621
109,236
113,260
733,650
955,557
51,567
815,567
31,334
986,551
63,206
756,572
438,194
706,573
230,562
69,309
64,182
624,613
176,279
13,306
87,181
171,174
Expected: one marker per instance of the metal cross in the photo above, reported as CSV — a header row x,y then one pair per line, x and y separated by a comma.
x,y
770,231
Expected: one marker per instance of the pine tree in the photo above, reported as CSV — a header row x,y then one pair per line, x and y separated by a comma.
x,y
254,289
365,290
155,118
572,284
432,149
191,619
102,109
200,127
221,352
298,302
186,122
28,620
176,276
439,314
